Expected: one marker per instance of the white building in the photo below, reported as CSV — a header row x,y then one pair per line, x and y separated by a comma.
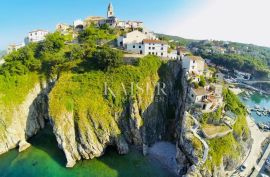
x,y
149,47
182,51
134,24
173,54
14,47
63,28
111,21
204,98
78,24
36,36
134,37
193,64
198,95
93,20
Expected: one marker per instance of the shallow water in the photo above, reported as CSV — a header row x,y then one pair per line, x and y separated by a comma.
x,y
45,159
261,100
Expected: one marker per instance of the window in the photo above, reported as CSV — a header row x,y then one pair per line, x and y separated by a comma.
x,y
161,53
133,46
149,53
153,48
161,48
140,46
149,48
153,53
193,61
192,95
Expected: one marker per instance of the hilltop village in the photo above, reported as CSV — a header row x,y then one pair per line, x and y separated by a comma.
x,y
213,132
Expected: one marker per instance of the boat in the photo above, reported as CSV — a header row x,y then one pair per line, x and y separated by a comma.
x,y
257,106
258,113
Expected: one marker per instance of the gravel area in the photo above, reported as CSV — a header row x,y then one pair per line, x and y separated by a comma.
x,y
165,152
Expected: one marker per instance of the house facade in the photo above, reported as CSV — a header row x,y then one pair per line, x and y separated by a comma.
x,y
207,98
149,47
173,55
78,25
63,28
36,36
133,38
193,64
14,47
198,95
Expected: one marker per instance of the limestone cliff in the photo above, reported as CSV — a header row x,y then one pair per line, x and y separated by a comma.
x,y
84,131
19,122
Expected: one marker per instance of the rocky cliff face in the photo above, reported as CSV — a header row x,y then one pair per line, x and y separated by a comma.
x,y
24,120
141,122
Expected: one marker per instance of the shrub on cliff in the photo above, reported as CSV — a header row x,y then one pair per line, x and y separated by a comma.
x,y
107,58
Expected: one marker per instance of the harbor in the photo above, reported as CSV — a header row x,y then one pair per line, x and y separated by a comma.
x,y
258,107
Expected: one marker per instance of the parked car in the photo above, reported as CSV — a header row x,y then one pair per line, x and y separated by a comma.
x,y
267,162
243,168
263,175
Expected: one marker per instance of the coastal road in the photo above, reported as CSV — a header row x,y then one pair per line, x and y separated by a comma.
x,y
260,167
258,137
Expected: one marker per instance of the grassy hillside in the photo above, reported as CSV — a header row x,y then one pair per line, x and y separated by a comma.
x,y
13,91
245,57
83,94
230,145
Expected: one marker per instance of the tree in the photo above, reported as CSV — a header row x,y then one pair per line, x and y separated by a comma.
x,y
108,58
202,82
52,44
21,62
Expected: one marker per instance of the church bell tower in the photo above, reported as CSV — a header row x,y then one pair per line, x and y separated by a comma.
x,y
110,12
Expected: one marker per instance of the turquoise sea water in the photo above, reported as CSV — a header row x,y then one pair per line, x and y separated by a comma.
x,y
261,100
45,159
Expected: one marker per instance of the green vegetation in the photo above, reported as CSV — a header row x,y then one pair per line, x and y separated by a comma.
x,y
202,82
97,36
84,94
213,117
220,148
25,68
174,40
198,146
229,145
245,57
108,58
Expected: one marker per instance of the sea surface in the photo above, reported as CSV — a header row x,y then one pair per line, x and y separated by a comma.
x,y
45,159
261,100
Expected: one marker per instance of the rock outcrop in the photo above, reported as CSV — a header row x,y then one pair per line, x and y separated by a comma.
x,y
141,122
24,120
